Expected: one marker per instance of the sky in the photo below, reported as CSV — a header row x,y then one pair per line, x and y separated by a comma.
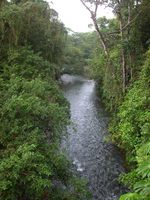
x,y
75,16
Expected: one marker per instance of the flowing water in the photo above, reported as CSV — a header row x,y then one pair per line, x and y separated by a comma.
x,y
99,162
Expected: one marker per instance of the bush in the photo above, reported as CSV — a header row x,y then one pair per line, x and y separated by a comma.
x,y
132,132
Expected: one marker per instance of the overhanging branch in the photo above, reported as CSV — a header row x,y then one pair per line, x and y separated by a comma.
x,y
126,26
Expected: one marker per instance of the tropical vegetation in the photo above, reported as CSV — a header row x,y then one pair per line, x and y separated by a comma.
x,y
35,49
33,110
121,67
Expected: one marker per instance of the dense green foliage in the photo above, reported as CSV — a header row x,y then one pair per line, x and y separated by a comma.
x,y
33,110
34,51
78,54
126,46
133,116
132,132
122,72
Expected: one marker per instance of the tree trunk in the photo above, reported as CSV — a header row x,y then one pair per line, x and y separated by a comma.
x,y
102,40
123,58
93,17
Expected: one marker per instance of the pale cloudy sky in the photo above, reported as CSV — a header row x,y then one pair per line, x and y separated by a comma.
x,y
74,15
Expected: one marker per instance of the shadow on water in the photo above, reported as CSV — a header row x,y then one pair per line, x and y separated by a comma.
x,y
99,162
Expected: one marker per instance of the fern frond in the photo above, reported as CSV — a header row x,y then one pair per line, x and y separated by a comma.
x,y
144,169
143,187
144,150
131,196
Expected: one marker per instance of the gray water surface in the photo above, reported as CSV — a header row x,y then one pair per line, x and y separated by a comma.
x,y
99,162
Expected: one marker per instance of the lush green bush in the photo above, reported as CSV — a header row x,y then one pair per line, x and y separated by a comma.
x,y
132,131
141,185
108,85
78,53
33,116
33,111
133,117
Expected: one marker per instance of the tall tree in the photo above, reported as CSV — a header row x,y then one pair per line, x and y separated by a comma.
x,y
92,7
127,13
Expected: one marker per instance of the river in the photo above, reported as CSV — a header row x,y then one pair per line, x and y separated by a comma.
x,y
99,162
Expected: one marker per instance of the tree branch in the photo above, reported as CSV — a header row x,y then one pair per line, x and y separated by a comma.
x,y
82,1
126,26
93,17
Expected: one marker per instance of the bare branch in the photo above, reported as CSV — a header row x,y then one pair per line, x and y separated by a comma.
x,y
126,26
82,1
131,21
100,34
